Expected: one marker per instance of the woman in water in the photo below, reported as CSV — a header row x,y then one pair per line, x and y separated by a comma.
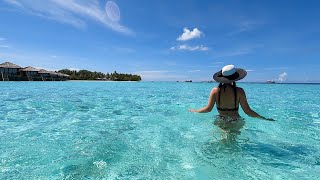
x,y
228,96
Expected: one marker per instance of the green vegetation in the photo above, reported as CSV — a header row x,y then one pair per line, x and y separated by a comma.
x,y
88,75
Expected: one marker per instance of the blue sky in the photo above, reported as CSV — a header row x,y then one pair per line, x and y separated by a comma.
x,y
165,40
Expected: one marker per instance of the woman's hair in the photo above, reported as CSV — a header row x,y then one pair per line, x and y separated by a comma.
x,y
223,85
234,85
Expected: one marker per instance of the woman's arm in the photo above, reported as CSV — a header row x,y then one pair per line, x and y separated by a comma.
x,y
246,108
210,104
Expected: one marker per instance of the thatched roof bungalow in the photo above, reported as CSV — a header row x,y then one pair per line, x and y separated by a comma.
x,y
9,68
8,71
55,76
9,65
45,75
30,69
30,72
44,72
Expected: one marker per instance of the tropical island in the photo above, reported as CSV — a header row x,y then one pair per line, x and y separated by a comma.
x,y
13,72
88,75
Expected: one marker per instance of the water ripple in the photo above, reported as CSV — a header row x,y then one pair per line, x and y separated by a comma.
x,y
89,130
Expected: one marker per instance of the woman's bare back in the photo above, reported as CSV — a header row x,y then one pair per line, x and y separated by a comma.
x,y
228,102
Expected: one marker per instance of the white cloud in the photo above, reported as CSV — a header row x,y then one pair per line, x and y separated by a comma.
x,y
73,12
2,39
188,35
249,70
190,48
282,77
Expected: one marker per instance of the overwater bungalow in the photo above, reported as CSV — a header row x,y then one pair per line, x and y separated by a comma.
x,y
31,73
45,75
54,76
13,72
9,71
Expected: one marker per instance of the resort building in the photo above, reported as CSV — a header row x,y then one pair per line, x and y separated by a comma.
x,y
13,72
9,71
56,76
45,75
64,77
31,73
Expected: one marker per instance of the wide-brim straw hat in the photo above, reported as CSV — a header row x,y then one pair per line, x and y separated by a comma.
x,y
229,74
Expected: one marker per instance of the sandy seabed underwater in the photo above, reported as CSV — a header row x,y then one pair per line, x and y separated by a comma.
x,y
94,130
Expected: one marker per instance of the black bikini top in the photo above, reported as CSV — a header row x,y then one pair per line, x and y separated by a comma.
x,y
235,100
225,109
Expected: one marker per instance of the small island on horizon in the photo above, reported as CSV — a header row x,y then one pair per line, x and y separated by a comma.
x,y
271,81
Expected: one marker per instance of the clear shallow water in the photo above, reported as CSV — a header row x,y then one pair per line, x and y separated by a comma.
x,y
114,130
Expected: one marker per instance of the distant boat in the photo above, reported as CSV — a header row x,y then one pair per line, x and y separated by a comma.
x,y
188,81
206,81
270,82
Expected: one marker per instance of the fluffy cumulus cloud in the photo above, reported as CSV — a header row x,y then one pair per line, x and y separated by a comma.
x,y
74,12
283,77
190,48
188,35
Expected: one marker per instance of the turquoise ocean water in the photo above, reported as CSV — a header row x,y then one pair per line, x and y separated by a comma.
x,y
127,130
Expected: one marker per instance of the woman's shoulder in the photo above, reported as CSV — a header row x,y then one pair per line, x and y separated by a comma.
x,y
240,90
214,90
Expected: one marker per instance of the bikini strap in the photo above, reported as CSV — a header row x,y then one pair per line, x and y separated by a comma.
x,y
219,93
235,94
